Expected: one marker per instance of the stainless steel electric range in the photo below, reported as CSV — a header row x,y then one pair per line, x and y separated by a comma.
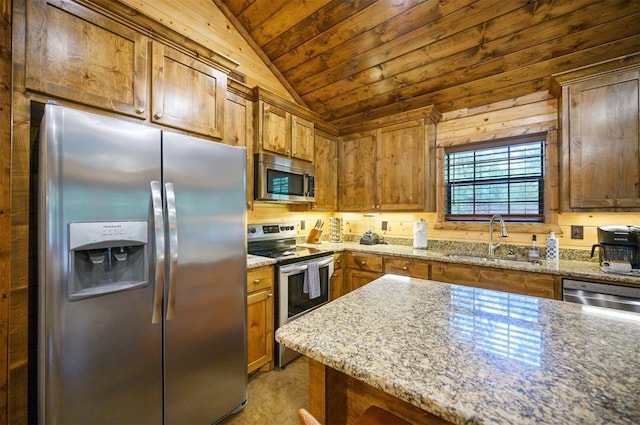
x,y
293,298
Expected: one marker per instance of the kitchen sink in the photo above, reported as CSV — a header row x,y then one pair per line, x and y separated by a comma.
x,y
494,260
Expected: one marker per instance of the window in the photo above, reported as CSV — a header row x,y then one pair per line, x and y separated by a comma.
x,y
500,177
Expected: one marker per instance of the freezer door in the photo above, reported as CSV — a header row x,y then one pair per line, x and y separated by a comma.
x,y
205,327
99,352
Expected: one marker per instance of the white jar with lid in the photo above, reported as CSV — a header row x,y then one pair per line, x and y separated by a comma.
x,y
553,247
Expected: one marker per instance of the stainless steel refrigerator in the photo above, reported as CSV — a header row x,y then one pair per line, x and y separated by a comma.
x,y
142,274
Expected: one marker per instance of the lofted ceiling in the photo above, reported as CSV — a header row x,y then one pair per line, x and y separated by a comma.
x,y
350,61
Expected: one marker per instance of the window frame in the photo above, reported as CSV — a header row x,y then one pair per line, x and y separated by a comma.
x,y
551,185
498,143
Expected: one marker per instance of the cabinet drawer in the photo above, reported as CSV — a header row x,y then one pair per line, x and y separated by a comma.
x,y
260,278
406,267
367,262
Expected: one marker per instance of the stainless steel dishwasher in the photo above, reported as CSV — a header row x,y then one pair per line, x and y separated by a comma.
x,y
618,297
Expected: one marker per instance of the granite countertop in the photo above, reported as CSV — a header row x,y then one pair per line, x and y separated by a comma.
x,y
472,355
254,261
565,268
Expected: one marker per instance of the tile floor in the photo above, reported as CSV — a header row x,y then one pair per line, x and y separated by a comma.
x,y
274,397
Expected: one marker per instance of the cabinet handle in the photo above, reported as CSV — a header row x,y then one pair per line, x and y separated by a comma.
x,y
338,261
363,262
157,116
256,281
140,110
288,151
270,294
405,268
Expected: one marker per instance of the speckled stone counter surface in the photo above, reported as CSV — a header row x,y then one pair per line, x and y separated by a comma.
x,y
475,356
565,268
254,261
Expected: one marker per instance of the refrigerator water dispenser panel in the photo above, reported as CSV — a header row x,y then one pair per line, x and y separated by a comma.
x,y
107,257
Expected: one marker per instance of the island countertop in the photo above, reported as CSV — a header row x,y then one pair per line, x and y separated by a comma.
x,y
471,355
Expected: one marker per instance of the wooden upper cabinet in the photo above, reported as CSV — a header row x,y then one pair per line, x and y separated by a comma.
x,y
601,142
187,94
276,131
284,133
326,172
76,54
302,138
238,131
401,166
356,172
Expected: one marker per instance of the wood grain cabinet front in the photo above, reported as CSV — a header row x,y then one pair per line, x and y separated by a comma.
x,y
338,286
362,268
79,55
407,267
187,94
515,281
260,319
281,132
601,142
326,172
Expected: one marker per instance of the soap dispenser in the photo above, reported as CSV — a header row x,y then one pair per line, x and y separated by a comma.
x,y
553,248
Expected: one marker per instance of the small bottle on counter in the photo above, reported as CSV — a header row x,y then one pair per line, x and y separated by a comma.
x,y
534,253
553,248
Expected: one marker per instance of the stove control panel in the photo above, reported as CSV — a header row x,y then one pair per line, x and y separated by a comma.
x,y
271,231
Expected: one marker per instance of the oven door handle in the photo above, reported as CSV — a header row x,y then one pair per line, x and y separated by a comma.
x,y
293,269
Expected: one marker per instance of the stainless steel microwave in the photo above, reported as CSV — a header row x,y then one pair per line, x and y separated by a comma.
x,y
279,179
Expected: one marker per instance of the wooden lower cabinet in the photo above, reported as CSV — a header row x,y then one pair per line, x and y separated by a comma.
x,y
260,319
407,267
362,269
519,282
338,286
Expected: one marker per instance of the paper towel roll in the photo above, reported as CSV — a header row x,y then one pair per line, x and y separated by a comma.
x,y
420,235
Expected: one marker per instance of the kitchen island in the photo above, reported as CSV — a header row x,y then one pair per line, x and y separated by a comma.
x,y
467,355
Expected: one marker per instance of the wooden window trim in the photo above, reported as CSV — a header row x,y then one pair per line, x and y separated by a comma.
x,y
551,185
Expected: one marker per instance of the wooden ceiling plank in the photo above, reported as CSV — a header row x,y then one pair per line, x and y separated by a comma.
x,y
434,47
284,19
439,48
259,12
433,23
536,75
325,18
358,23
473,64
238,6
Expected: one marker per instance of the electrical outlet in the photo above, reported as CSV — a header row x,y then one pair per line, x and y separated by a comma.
x,y
384,225
577,232
302,224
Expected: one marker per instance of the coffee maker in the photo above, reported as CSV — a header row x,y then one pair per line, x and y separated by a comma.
x,y
619,249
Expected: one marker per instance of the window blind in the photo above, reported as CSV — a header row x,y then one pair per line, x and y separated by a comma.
x,y
505,178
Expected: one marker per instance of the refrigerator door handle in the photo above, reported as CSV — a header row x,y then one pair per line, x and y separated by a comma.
x,y
158,228
172,223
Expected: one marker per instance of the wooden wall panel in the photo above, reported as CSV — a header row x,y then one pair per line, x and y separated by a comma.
x,y
5,198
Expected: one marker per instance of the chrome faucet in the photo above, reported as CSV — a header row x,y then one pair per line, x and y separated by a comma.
x,y
503,233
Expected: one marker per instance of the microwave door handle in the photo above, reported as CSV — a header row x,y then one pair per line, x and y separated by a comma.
x,y
172,224
305,190
158,229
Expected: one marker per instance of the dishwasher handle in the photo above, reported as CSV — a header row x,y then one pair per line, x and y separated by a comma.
x,y
597,299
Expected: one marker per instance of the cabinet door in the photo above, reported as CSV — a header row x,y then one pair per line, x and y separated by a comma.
x,y
401,166
259,329
76,54
302,138
356,190
525,283
338,287
238,131
187,94
326,173
604,142
260,318
276,133
358,278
